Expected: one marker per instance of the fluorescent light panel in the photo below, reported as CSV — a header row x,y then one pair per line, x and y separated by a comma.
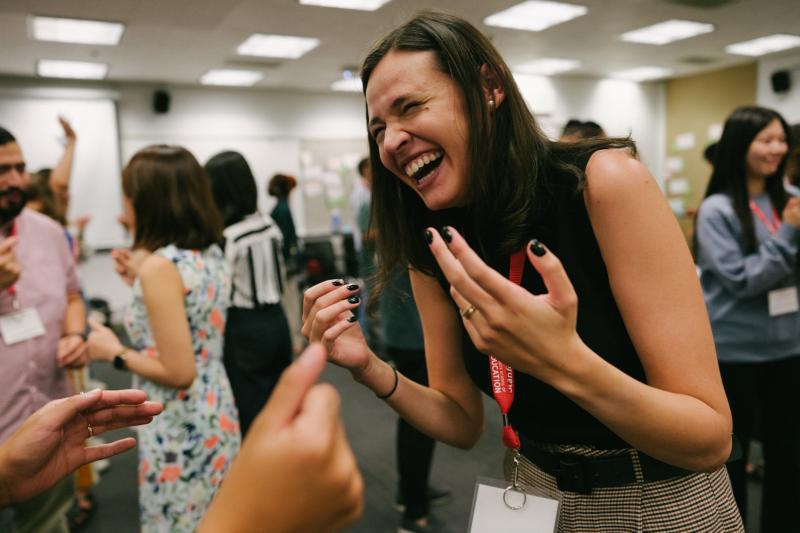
x,y
547,66
667,32
76,31
54,68
361,5
281,46
535,15
349,85
231,77
642,73
764,45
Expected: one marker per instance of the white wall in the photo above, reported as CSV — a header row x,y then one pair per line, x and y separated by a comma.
x,y
788,103
272,129
621,107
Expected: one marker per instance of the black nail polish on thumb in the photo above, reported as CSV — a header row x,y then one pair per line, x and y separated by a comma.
x,y
537,248
448,237
428,236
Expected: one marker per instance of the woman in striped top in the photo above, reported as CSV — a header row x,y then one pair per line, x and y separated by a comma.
x,y
257,341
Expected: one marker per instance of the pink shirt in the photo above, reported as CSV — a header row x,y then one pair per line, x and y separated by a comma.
x,y
29,372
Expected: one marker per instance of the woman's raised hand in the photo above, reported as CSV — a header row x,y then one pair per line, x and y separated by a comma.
x,y
791,213
328,317
527,331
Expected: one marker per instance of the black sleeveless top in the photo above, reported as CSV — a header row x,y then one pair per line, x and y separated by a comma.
x,y
541,413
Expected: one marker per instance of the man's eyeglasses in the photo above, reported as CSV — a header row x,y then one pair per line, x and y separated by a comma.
x,y
19,167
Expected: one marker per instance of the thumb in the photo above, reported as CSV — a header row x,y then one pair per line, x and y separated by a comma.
x,y
8,244
560,291
288,395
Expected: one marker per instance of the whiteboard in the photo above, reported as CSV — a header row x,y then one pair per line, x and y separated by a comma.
x,y
95,188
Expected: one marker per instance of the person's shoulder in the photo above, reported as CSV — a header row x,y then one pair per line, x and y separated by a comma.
x,y
614,165
41,223
156,265
716,204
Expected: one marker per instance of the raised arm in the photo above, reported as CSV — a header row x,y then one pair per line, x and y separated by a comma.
x,y
62,172
450,409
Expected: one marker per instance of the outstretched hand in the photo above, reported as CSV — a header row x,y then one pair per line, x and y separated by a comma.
x,y
524,330
295,471
69,133
51,443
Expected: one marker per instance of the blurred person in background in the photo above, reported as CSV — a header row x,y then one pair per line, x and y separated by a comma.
x,y
746,245
39,292
175,324
258,344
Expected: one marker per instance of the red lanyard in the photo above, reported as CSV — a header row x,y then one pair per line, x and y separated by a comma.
x,y
12,290
502,374
772,226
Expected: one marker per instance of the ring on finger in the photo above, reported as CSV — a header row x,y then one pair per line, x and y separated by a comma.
x,y
90,430
467,312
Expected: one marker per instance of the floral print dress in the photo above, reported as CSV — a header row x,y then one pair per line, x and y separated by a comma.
x,y
185,452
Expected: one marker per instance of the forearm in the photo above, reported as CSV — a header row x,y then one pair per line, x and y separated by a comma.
x,y
675,428
75,315
149,365
60,176
432,411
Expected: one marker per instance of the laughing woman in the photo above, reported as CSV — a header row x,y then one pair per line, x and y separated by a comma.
x,y
175,323
619,404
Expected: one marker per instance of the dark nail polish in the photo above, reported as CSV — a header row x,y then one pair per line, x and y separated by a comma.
x,y
352,287
354,299
537,248
428,236
338,282
352,318
448,237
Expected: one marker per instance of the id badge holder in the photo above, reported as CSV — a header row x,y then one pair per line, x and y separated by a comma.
x,y
500,507
20,325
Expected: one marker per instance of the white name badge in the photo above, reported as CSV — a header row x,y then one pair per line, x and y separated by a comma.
x,y
20,326
782,301
498,509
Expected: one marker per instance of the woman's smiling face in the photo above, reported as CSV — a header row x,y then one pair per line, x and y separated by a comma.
x,y
418,120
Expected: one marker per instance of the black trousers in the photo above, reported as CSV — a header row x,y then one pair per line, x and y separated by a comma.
x,y
258,348
414,448
769,393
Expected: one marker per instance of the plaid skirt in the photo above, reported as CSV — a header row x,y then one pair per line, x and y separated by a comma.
x,y
701,502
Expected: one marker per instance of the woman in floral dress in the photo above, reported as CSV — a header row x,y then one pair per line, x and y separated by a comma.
x,y
176,323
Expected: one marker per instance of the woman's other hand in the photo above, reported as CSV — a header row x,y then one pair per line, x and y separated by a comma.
x,y
524,330
127,263
295,471
791,213
329,317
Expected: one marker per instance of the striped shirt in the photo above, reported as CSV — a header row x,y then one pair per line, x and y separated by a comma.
x,y
253,254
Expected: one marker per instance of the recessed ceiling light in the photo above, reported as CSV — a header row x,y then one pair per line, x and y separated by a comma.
x,y
283,46
76,31
361,5
534,15
232,77
351,85
547,66
54,68
642,73
764,45
667,32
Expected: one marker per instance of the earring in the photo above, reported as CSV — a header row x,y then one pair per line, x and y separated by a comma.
x,y
491,104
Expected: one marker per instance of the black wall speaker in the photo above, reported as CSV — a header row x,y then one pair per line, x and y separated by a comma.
x,y
161,101
781,81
